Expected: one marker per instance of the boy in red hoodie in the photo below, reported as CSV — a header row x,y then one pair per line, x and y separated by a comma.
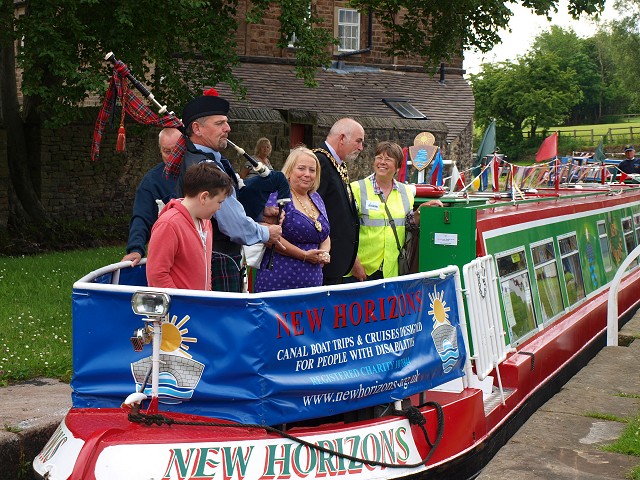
x,y
182,237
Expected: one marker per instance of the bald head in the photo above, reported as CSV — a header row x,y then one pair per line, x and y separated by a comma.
x,y
346,137
167,139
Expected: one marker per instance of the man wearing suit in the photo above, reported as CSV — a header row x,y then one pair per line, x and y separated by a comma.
x,y
344,143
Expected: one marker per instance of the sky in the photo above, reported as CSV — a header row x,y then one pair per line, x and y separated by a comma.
x,y
525,27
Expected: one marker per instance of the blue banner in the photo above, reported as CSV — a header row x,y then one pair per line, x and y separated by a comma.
x,y
273,359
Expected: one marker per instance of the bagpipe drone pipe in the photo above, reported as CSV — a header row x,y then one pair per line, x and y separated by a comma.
x,y
253,193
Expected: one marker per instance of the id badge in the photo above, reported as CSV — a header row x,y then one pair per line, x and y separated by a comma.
x,y
373,205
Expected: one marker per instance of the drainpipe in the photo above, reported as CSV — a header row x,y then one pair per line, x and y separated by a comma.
x,y
342,55
442,73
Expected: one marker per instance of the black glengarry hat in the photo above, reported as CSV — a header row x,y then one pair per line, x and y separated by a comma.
x,y
208,104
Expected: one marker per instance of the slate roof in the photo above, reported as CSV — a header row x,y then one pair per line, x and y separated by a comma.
x,y
358,92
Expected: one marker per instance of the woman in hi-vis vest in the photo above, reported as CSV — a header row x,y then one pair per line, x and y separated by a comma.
x,y
385,208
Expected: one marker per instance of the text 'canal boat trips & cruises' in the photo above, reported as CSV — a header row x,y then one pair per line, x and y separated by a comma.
x,y
420,376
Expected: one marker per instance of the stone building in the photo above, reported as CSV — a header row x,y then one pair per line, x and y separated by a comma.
x,y
393,98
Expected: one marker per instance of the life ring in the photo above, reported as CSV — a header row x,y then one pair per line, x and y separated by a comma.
x,y
429,191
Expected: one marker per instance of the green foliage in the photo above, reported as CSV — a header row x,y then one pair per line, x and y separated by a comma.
x,y
562,79
35,310
189,44
536,91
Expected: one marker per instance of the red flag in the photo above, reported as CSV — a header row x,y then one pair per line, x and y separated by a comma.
x,y
548,149
623,177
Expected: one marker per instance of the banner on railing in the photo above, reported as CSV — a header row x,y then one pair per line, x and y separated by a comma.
x,y
274,359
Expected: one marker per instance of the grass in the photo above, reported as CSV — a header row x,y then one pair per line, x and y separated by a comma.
x,y
598,129
628,444
629,441
35,310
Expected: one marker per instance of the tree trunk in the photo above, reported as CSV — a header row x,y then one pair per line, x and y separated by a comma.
x,y
17,145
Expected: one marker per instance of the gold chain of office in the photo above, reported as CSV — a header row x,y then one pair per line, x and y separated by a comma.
x,y
340,167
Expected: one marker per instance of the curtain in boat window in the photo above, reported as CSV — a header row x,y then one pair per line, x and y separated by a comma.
x,y
516,294
547,279
571,268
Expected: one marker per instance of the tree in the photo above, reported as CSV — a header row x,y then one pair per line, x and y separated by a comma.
x,y
532,92
577,54
63,44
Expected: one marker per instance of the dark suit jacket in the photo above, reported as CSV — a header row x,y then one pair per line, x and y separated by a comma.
x,y
343,219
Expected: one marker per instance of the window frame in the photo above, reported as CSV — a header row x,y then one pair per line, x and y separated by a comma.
x,y
357,25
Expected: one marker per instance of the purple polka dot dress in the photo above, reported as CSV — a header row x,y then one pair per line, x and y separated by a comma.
x,y
288,272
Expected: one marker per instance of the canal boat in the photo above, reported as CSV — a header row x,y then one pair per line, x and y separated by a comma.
x,y
421,376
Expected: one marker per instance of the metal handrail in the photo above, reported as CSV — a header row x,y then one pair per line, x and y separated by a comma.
x,y
612,301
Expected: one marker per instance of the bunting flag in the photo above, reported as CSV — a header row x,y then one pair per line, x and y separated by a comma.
x,y
548,149
490,175
136,108
518,176
402,173
599,155
456,180
487,145
484,177
540,177
436,170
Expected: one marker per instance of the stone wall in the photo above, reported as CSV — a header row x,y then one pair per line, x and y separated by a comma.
x,y
73,187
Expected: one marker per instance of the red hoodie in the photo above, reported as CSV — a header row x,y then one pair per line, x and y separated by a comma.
x,y
177,256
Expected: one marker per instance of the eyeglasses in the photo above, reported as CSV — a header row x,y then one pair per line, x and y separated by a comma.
x,y
384,158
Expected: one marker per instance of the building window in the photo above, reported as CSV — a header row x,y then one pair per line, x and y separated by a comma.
x,y
348,30
404,108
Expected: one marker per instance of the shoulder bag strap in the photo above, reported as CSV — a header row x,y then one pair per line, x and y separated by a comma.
x,y
391,222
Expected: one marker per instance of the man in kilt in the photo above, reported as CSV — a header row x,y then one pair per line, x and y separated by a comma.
x,y
206,129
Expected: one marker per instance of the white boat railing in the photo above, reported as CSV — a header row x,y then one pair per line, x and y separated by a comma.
x,y
483,306
612,301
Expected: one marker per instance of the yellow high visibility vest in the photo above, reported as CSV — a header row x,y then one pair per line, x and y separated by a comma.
x,y
378,246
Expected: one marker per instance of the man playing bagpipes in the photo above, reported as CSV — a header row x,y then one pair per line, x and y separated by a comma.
x,y
205,130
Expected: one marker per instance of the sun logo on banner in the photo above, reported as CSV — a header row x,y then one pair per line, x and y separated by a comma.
x,y
439,311
173,337
444,335
179,372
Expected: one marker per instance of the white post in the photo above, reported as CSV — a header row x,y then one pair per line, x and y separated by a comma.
x,y
612,302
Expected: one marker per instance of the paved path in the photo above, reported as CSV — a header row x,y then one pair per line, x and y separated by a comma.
x,y
558,442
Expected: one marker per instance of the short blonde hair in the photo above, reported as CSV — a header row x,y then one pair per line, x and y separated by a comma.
x,y
292,160
264,141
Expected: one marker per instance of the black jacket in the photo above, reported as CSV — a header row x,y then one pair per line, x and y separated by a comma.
x,y
343,218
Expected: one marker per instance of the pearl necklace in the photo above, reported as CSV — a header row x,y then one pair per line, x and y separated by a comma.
x,y
316,223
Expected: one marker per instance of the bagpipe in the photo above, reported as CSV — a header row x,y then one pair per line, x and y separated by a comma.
x,y
253,194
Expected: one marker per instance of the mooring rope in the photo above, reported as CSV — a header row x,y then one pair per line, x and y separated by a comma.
x,y
413,415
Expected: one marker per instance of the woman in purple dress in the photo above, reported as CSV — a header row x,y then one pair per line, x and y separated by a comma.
x,y
305,231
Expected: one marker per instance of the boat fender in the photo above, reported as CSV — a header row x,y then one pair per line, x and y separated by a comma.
x,y
429,191
134,399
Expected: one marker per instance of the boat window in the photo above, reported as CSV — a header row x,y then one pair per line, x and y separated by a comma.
x,y
636,221
571,268
629,234
516,293
546,268
604,246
